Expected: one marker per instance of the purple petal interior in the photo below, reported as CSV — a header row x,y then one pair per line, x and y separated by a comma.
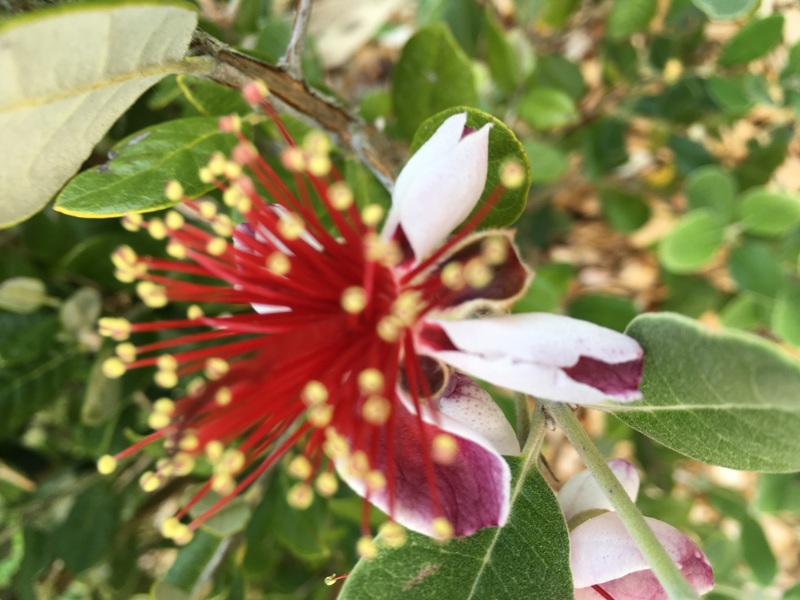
x,y
621,379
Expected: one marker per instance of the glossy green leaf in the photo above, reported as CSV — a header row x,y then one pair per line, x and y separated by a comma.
x,y
754,267
547,108
432,74
614,312
732,94
765,212
714,189
742,312
503,146
756,551
546,292
90,63
629,16
527,558
191,566
133,180
692,243
500,54
626,212
725,9
548,163
211,98
725,398
753,41
786,314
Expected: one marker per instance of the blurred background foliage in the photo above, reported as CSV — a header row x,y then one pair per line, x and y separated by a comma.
x,y
666,167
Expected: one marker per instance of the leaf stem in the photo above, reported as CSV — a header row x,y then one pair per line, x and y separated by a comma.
x,y
536,430
523,412
664,568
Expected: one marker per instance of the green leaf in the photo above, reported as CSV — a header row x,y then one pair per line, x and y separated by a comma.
x,y
626,212
82,66
548,163
87,536
503,146
742,312
756,551
786,314
547,108
432,74
24,338
753,266
629,16
769,213
191,567
752,41
211,98
732,94
548,289
725,9
726,398
133,180
500,55
527,558
12,560
692,243
614,312
712,188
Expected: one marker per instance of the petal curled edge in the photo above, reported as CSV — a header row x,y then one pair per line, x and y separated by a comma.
x,y
550,356
473,491
467,402
582,492
439,186
602,552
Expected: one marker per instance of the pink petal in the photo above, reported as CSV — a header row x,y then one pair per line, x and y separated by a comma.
x,y
544,355
602,552
467,402
582,492
473,492
439,186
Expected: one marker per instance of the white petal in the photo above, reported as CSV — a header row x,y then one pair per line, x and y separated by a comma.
x,y
601,549
582,491
467,402
529,352
438,194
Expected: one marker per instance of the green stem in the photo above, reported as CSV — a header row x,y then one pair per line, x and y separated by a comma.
x,y
523,412
667,572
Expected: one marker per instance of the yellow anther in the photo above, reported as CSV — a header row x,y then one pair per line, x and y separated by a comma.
x,y
366,548
376,481
222,226
230,123
153,295
336,445
158,420
294,159
389,328
157,229
124,257
223,484
216,246
231,461
166,379
106,465
452,276
182,464
214,450
372,214
291,226
205,175
376,410
358,464
189,442
255,92
406,307
170,527
173,191
300,496
512,174
132,221
331,579
442,529
194,312
167,362
320,415
126,352
232,196
216,368
319,165
316,142
174,220
223,396
444,449
149,481
176,250
672,70
113,367
183,535
370,381
477,273
233,170
244,205
494,250
278,263
354,299
164,405
340,196
300,467
217,162
326,484
392,534
195,387
314,392
117,329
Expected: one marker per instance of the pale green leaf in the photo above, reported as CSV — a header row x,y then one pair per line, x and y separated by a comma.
x,y
712,188
786,314
547,108
630,16
68,73
769,213
753,41
726,398
725,9
692,243
527,558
